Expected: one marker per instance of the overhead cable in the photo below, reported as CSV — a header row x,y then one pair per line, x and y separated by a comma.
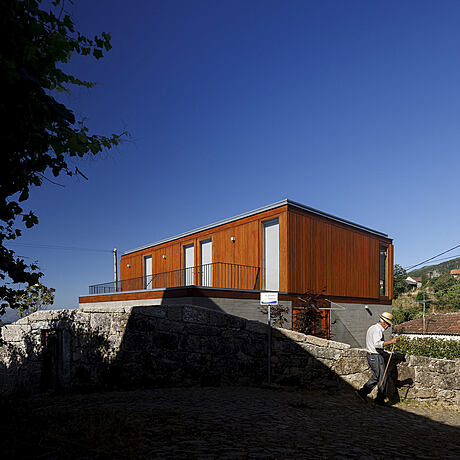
x,y
431,258
67,248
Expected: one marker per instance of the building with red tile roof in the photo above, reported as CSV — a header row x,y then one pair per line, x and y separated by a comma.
x,y
436,325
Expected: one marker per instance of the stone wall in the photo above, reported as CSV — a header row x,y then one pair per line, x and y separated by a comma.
x,y
125,347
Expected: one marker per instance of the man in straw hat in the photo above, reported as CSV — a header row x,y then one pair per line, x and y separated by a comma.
x,y
375,358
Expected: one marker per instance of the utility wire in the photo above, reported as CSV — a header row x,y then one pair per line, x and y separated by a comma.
x,y
431,258
446,258
67,248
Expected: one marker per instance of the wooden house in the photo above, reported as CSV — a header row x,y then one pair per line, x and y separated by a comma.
x,y
285,247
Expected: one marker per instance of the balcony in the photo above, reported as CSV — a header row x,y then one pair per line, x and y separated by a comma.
x,y
216,275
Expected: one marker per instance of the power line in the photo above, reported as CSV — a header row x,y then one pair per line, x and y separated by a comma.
x,y
66,248
446,258
431,258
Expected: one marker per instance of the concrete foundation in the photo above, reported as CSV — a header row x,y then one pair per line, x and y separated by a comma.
x,y
350,324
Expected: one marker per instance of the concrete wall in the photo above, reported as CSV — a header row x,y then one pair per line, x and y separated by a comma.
x,y
126,347
350,324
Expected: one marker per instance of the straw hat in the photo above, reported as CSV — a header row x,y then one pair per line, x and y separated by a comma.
x,y
387,318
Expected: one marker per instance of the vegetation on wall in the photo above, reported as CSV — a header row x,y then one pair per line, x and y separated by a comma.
x,y
430,347
309,319
34,298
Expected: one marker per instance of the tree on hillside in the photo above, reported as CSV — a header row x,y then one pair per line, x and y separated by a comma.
x,y
399,281
40,135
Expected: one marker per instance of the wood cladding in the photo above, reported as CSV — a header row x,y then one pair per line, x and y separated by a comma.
x,y
245,250
316,253
325,256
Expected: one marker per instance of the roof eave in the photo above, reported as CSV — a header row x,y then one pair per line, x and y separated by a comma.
x,y
269,207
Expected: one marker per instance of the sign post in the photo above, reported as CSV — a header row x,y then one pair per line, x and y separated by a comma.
x,y
269,299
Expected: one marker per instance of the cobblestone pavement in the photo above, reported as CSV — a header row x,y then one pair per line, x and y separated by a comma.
x,y
252,423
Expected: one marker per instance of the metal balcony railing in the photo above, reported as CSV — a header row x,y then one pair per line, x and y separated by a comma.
x,y
217,274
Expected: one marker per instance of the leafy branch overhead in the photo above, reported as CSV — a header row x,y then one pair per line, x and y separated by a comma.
x,y
40,134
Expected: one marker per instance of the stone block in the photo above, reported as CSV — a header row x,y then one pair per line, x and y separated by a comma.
x,y
442,366
355,352
256,327
338,345
405,372
14,333
166,340
235,322
421,361
345,366
329,353
100,321
355,380
191,343
425,393
203,330
39,325
195,315
156,311
447,381
174,312
291,335
424,379
286,346
318,341
22,321
82,317
446,396
168,325
218,319
312,350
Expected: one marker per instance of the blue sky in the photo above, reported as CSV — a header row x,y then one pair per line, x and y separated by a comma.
x,y
351,107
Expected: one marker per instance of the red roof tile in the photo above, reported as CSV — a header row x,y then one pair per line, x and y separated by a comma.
x,y
455,271
447,323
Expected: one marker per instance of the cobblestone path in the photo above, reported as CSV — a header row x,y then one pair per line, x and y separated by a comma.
x,y
246,423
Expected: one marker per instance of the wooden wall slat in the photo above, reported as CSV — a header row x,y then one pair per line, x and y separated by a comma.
x,y
324,254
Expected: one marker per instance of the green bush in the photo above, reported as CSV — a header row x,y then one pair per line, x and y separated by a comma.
x,y
432,348
401,315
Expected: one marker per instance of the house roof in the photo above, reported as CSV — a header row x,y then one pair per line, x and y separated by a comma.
x,y
257,211
455,271
414,278
447,323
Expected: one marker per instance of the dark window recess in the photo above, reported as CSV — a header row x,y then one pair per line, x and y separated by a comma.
x,y
383,263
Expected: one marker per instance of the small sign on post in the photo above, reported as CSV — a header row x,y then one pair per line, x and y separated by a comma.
x,y
269,299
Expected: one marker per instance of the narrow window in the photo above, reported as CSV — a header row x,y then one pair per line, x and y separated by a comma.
x,y
148,272
383,264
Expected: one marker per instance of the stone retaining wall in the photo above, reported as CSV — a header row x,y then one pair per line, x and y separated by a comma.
x,y
185,345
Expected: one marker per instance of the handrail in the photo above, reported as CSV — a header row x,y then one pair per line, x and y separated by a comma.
x,y
217,274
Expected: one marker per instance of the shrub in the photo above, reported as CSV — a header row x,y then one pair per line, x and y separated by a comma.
x,y
430,347
401,315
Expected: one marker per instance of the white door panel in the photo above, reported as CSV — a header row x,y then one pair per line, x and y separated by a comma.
x,y
206,262
189,265
271,261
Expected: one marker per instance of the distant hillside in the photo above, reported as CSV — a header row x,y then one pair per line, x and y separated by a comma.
x,y
443,267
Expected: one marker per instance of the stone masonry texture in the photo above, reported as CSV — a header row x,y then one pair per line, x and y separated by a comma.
x,y
184,345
